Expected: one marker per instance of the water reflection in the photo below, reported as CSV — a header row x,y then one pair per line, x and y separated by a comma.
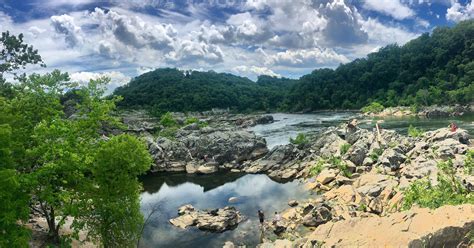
x,y
252,191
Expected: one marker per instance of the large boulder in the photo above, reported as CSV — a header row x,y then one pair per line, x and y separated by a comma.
x,y
318,215
460,135
392,157
217,220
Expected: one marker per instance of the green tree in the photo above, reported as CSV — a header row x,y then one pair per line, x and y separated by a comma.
x,y
14,206
116,219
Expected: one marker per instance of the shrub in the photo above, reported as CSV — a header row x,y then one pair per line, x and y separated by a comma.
x,y
191,120
338,163
414,108
469,163
317,168
300,139
167,120
376,154
345,148
415,132
448,191
373,107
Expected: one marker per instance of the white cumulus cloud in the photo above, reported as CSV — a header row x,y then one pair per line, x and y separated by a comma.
x,y
116,79
253,70
392,8
458,12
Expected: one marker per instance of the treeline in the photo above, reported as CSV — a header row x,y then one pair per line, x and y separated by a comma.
x,y
174,90
436,68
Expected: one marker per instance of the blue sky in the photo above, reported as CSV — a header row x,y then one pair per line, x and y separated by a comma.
x,y
123,39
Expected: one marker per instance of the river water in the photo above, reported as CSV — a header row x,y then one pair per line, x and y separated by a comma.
x,y
168,191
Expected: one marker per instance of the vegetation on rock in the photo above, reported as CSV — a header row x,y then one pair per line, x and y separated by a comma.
x,y
448,191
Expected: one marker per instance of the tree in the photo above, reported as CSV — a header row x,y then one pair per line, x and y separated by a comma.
x,y
52,161
14,206
116,219
16,55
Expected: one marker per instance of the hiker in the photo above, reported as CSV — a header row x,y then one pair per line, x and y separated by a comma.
x,y
261,216
276,218
453,127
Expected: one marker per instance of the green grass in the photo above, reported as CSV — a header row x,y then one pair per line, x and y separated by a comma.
x,y
300,139
345,148
376,154
317,168
415,132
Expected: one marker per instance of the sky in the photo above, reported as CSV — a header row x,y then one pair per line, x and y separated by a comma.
x,y
285,38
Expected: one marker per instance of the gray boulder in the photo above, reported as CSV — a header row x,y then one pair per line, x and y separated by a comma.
x,y
320,214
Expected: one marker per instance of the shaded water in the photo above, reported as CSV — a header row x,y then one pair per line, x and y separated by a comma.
x,y
169,191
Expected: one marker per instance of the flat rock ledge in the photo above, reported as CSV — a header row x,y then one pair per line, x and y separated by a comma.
x,y
216,220
447,226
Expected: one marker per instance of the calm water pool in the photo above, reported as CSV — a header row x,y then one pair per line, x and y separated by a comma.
x,y
169,191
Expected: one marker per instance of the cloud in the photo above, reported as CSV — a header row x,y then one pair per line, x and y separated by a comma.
x,y
116,79
393,8
188,51
315,57
458,12
343,27
133,31
64,24
252,71
381,34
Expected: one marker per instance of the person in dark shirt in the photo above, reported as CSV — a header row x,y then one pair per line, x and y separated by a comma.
x,y
261,216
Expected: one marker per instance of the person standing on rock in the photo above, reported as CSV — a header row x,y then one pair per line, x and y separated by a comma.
x,y
276,218
261,216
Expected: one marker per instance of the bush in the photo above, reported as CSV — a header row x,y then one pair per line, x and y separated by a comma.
x,y
317,168
373,107
469,163
191,120
167,120
299,140
338,163
376,154
448,191
345,148
415,132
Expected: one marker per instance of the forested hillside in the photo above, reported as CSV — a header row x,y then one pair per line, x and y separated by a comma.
x,y
174,90
436,68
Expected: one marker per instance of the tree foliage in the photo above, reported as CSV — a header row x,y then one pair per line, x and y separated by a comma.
x,y
55,159
173,90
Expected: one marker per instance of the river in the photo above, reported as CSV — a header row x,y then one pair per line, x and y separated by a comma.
x,y
168,191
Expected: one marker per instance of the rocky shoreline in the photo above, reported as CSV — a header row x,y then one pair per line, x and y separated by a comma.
x,y
428,112
359,178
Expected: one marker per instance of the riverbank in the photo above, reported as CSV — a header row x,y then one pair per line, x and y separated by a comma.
x,y
428,111
357,176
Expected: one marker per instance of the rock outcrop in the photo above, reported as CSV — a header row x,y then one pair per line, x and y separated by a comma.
x,y
419,227
216,220
206,150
